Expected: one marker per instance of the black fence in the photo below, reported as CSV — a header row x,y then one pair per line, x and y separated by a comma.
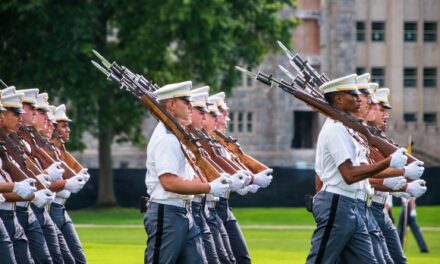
x,y
287,189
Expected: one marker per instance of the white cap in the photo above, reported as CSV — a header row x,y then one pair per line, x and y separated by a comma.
x,y
60,113
346,83
174,90
42,102
362,83
199,100
221,100
381,95
50,114
203,89
12,101
30,95
212,105
8,91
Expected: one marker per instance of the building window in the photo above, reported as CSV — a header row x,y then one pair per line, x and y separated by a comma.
x,y
305,126
430,118
410,34
231,122
378,75
360,70
429,77
410,117
360,31
240,122
410,77
430,31
249,122
378,31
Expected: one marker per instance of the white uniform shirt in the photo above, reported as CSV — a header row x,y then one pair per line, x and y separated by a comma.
x,y
363,159
164,155
335,146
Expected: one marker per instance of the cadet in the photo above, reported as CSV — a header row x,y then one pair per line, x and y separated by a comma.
x,y
335,208
172,235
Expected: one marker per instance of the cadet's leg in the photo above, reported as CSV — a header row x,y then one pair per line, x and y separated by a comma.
x,y
206,234
167,229
377,239
193,251
417,233
214,224
6,246
65,251
21,244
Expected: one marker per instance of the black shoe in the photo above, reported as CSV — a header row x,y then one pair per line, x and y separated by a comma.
x,y
424,251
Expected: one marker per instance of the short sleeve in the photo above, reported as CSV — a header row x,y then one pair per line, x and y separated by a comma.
x,y
167,155
339,144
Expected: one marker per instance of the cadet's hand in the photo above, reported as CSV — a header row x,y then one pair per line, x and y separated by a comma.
x,y
247,177
42,198
63,194
398,158
263,179
25,188
55,171
85,174
413,213
220,186
401,195
75,184
253,188
414,170
416,188
394,183
243,191
44,179
237,181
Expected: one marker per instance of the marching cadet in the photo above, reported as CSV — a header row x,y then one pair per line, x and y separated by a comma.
x,y
172,235
198,112
339,221
56,243
415,169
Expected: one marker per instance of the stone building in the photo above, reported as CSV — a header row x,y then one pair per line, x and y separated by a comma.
x,y
397,41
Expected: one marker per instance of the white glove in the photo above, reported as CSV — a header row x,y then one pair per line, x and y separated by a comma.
x,y
44,179
2,199
398,158
401,195
42,198
243,191
253,188
413,213
247,177
55,171
84,172
263,178
63,194
414,170
416,188
211,198
25,188
237,181
394,183
220,186
75,184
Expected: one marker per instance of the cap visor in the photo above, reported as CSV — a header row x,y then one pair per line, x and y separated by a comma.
x,y
203,109
43,109
365,91
354,92
387,106
2,108
16,110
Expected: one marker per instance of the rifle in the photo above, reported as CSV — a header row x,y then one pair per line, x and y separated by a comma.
x,y
64,154
385,147
234,147
141,87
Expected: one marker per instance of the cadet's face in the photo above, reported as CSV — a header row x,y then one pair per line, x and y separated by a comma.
x,y
349,102
221,122
63,130
182,110
198,118
29,116
373,109
384,116
41,119
11,121
210,123
364,105
49,129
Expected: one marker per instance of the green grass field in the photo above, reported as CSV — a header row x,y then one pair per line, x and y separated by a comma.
x,y
274,235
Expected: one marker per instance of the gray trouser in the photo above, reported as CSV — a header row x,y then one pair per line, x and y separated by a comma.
x,y
58,249
208,240
6,247
60,217
340,229
221,238
389,232
236,238
18,237
411,221
172,236
34,233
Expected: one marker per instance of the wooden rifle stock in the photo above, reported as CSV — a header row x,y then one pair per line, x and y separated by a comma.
x,y
252,164
68,158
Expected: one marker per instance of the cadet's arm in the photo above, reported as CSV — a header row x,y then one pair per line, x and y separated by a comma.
x,y
389,172
6,187
352,174
175,184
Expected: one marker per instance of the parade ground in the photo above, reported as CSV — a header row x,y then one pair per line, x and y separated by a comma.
x,y
274,235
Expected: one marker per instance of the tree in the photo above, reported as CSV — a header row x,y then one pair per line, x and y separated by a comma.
x,y
48,44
